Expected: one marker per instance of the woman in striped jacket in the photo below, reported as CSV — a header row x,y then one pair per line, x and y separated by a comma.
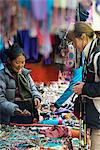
x,y
89,89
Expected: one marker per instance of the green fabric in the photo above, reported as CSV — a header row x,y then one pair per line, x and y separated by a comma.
x,y
22,83
23,86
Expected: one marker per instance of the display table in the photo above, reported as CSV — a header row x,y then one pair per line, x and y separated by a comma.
x,y
29,137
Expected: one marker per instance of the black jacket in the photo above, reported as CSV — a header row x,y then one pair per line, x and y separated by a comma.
x,y
91,88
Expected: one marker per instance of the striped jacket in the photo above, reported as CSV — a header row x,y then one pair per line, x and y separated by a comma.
x,y
91,89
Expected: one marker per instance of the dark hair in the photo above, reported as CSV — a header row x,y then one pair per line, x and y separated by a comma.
x,y
82,27
14,51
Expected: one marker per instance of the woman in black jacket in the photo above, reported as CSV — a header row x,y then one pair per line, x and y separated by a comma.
x,y
89,89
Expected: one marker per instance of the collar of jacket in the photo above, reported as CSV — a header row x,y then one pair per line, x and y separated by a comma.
x,y
87,47
24,71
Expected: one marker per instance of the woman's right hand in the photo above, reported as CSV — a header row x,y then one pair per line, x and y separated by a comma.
x,y
23,113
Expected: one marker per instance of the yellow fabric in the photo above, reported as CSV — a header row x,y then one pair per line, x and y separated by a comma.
x,y
63,4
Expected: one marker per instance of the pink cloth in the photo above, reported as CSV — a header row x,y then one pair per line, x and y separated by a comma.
x,y
55,132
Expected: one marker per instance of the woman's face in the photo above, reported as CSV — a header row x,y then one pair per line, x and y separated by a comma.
x,y
81,42
18,63
78,43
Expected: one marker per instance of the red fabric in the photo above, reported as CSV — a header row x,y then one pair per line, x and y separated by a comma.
x,y
60,122
42,73
31,125
52,38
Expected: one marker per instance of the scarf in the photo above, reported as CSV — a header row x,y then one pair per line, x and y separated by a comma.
x,y
21,84
23,87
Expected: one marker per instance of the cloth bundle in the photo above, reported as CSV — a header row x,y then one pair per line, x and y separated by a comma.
x,y
56,132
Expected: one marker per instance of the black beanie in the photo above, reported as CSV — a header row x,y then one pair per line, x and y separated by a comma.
x,y
14,51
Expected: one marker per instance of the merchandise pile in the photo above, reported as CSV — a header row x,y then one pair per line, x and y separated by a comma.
x,y
34,137
58,129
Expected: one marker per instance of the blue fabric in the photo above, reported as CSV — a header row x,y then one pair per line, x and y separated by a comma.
x,y
39,9
29,46
1,43
33,49
25,3
1,48
64,110
49,4
50,144
51,121
77,76
47,61
1,65
23,37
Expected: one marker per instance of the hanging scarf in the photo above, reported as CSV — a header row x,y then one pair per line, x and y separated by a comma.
x,y
22,87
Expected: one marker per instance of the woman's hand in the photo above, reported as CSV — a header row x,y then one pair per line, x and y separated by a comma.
x,y
22,113
26,112
37,102
77,88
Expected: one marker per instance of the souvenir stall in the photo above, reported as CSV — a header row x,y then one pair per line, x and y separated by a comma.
x,y
56,129
40,27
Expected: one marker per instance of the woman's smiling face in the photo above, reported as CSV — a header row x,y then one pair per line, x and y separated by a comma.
x,y
18,63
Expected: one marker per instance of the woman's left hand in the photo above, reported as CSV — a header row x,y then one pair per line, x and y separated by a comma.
x,y
37,102
77,88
